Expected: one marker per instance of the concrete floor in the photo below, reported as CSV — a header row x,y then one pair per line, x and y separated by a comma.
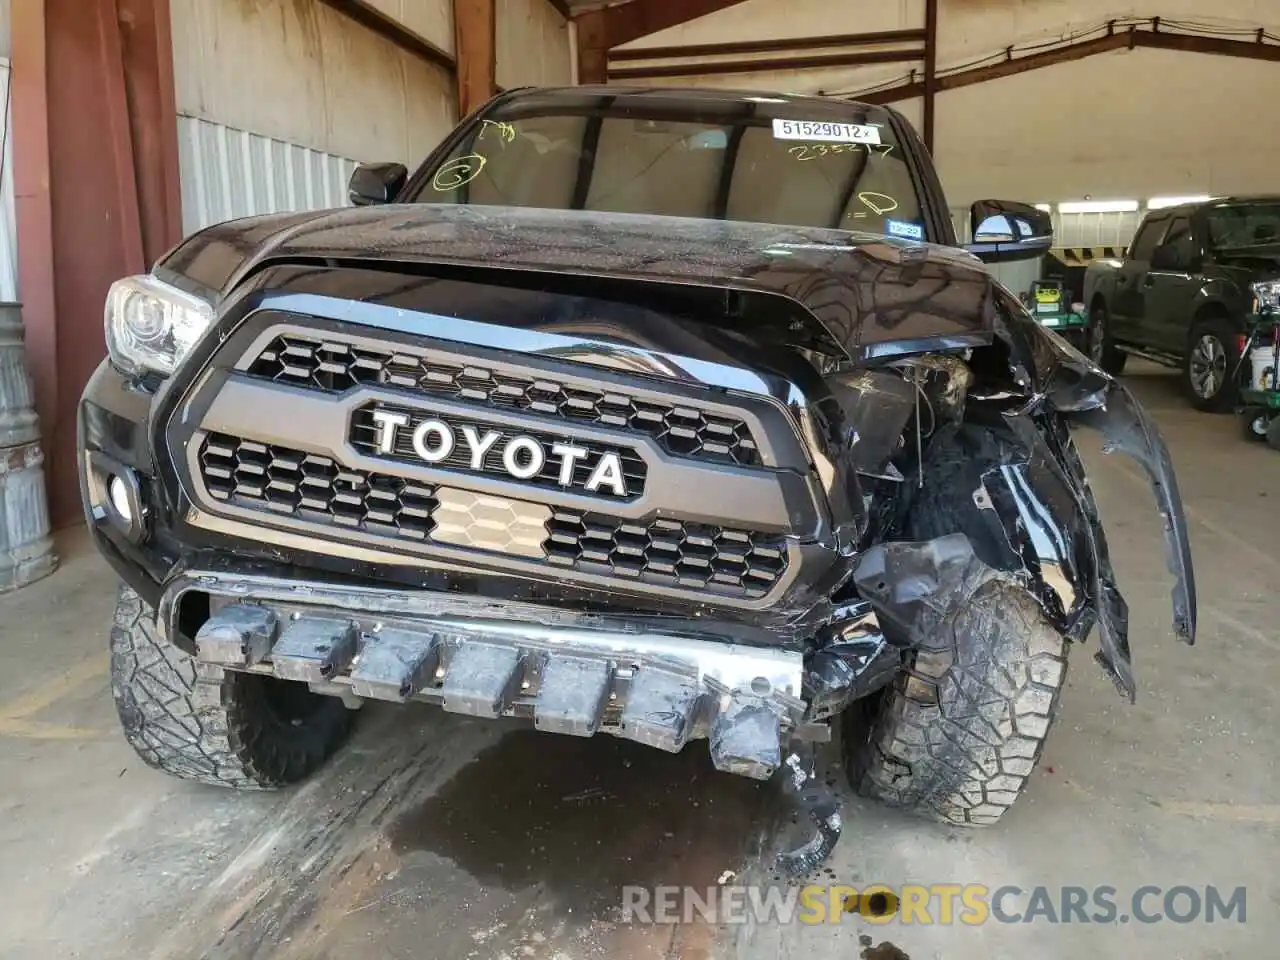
x,y
436,837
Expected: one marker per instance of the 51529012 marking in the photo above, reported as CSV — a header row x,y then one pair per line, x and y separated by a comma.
x,y
825,131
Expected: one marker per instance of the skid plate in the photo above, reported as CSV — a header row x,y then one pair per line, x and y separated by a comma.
x,y
657,690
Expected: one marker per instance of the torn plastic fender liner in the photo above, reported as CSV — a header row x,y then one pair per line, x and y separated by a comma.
x,y
996,478
1100,598
1013,482
1059,487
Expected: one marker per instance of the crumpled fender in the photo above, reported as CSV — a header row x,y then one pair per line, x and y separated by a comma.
x,y
1063,385
1127,428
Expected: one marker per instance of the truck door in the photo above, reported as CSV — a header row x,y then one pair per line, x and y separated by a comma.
x,y
1128,306
1170,286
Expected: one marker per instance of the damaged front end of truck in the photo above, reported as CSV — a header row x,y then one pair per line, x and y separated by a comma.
x,y
727,484
996,492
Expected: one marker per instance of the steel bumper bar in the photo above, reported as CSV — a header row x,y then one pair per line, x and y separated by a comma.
x,y
568,674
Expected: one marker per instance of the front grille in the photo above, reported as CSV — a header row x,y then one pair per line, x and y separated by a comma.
x,y
334,366
311,487
322,492
690,554
364,437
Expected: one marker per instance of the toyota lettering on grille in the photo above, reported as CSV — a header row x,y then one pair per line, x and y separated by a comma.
x,y
522,457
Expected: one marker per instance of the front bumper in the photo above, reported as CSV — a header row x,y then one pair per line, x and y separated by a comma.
x,y
397,633
569,673
386,634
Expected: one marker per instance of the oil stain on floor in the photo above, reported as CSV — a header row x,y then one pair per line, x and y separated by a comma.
x,y
456,838
579,820
884,950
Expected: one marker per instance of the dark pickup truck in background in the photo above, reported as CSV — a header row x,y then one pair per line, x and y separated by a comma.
x,y
1185,291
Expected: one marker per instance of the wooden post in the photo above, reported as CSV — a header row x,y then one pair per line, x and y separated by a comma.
x,y
593,47
599,31
475,51
147,54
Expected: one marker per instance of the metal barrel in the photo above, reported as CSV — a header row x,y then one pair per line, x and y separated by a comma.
x,y
18,422
26,544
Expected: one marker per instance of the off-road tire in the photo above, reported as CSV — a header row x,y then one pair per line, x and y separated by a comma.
x,y
211,725
957,736
1100,347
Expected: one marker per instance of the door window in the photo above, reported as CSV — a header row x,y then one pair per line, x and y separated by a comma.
x,y
1180,238
1148,238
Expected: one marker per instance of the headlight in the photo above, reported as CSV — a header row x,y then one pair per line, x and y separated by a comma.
x,y
1267,294
151,326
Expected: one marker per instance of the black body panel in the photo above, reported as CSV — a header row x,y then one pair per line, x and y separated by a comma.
x,y
863,296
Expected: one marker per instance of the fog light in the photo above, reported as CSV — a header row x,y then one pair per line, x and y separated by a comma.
x,y
115,496
119,495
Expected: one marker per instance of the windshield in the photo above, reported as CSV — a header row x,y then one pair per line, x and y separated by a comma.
x,y
765,160
1237,227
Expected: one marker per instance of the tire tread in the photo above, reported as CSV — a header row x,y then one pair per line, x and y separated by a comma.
x,y
958,736
196,721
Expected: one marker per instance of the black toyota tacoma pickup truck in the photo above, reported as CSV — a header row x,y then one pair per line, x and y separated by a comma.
x,y
1189,284
670,415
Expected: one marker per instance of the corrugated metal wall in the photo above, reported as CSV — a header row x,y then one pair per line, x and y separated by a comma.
x,y
229,173
8,228
321,93
1112,229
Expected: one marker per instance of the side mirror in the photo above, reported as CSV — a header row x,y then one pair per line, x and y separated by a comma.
x,y
373,183
1004,230
1165,257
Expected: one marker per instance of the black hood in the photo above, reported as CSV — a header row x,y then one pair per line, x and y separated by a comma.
x,y
866,291
1262,259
